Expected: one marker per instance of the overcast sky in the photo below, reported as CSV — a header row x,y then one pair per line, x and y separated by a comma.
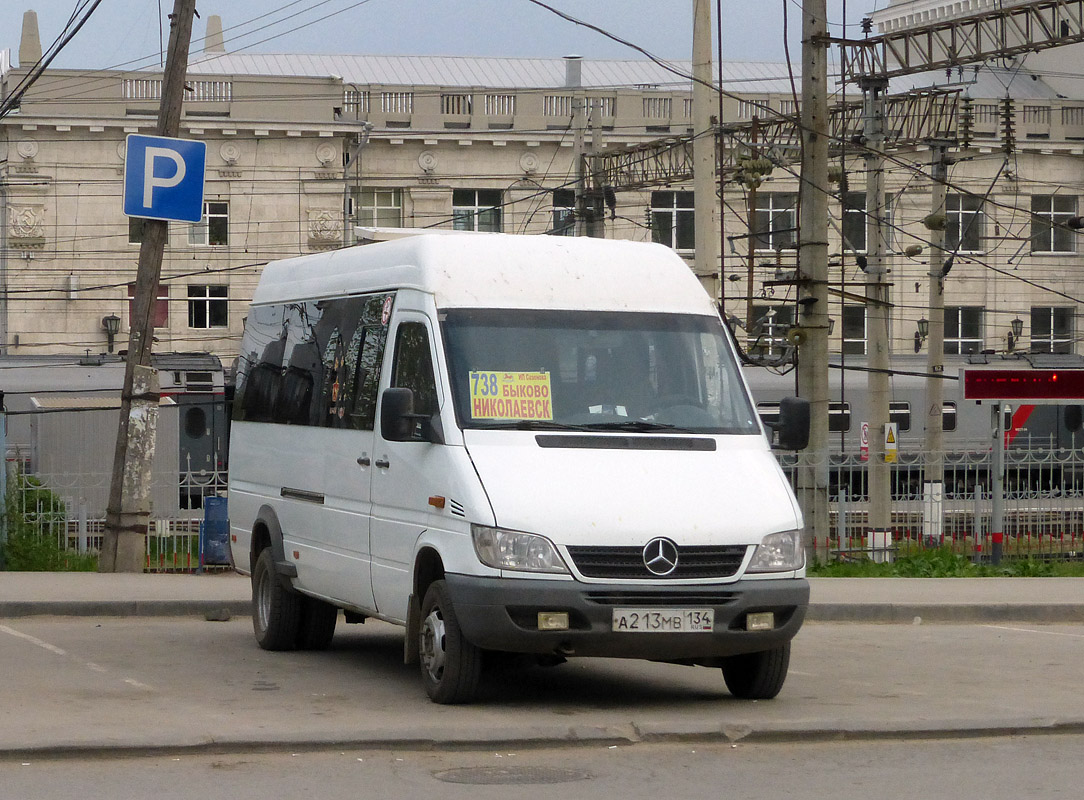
x,y
126,32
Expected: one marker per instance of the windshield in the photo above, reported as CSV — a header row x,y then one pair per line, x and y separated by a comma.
x,y
627,371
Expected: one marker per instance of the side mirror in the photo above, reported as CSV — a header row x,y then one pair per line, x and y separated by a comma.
x,y
1074,418
793,424
399,423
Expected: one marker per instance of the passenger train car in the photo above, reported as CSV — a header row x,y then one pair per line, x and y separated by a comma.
x,y
196,382
1036,433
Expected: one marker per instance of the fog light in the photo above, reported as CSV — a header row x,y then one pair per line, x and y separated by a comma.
x,y
553,620
761,621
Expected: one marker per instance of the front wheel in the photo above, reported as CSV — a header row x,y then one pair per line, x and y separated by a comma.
x,y
451,666
757,676
276,611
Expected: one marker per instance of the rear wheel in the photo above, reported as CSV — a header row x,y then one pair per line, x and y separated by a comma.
x,y
757,676
317,624
276,611
451,666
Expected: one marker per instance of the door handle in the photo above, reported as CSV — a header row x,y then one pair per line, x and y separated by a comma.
x,y
363,461
383,463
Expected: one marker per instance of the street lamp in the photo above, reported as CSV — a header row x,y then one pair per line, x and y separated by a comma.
x,y
111,324
1017,328
922,332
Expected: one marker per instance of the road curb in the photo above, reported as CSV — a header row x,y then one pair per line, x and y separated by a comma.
x,y
574,736
958,613
123,608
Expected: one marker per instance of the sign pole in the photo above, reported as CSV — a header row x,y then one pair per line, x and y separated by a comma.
x,y
128,513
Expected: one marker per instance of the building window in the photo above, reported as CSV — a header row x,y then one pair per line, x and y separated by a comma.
x,y
854,330
768,329
214,229
672,220
476,210
379,208
854,222
1051,329
1050,232
775,220
963,329
965,220
564,212
161,305
208,307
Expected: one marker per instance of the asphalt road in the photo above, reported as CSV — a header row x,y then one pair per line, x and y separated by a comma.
x,y
158,685
1011,768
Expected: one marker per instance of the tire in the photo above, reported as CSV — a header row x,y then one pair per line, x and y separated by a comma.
x,y
276,610
451,666
757,676
317,624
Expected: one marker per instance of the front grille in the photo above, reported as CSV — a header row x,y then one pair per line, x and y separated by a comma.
x,y
627,563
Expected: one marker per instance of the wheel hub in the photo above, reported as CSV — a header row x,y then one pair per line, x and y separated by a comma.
x,y
432,645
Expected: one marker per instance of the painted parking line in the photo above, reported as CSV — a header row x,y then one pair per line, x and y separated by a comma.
x,y
52,648
1035,630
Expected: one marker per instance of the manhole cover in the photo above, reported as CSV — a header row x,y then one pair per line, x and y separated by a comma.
x,y
511,775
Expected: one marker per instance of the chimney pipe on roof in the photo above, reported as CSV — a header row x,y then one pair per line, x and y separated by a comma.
x,y
213,41
572,71
30,44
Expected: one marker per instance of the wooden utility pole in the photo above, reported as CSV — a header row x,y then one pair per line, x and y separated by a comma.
x,y
813,270
129,494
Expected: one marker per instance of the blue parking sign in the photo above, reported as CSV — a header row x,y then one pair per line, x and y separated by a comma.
x,y
163,178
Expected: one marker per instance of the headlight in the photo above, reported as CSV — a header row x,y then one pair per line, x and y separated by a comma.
x,y
528,552
778,552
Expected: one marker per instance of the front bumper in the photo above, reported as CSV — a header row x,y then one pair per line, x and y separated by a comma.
x,y
502,614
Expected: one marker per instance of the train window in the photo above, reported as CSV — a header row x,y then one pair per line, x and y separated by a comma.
x,y
900,413
839,417
948,417
195,422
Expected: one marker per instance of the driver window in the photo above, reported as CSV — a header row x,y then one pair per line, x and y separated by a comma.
x,y
413,367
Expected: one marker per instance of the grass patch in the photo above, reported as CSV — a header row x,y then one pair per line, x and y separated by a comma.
x,y
943,562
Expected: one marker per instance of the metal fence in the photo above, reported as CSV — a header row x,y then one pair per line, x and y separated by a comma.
x,y
57,509
1043,502
1043,508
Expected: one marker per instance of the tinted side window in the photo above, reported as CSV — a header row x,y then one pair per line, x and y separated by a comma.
x,y
414,366
313,363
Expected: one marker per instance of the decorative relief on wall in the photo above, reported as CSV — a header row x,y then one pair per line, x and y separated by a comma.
x,y
325,153
230,153
27,226
27,149
325,228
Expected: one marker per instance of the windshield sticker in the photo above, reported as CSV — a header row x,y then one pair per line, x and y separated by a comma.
x,y
510,395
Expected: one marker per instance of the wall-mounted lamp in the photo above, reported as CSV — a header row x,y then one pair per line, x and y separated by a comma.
x,y
111,324
922,332
1017,328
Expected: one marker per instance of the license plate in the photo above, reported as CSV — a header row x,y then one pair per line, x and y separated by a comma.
x,y
663,620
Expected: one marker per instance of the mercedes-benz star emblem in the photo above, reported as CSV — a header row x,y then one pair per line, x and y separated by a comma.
x,y
660,556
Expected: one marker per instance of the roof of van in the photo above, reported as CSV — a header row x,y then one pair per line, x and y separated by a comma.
x,y
490,270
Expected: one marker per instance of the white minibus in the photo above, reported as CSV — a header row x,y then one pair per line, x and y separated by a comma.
x,y
539,445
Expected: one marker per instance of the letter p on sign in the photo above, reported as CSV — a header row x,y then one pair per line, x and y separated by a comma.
x,y
163,178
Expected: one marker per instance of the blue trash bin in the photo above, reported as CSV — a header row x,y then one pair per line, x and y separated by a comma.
x,y
214,533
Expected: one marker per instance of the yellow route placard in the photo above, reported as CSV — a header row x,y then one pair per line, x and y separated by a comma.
x,y
510,395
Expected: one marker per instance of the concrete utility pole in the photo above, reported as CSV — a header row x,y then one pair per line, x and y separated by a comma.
x,y
877,316
596,221
573,81
813,270
705,239
933,491
129,493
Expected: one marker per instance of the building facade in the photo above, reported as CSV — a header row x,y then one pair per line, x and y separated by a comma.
x,y
304,149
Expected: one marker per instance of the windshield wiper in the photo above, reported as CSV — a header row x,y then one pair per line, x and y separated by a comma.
x,y
635,426
534,425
